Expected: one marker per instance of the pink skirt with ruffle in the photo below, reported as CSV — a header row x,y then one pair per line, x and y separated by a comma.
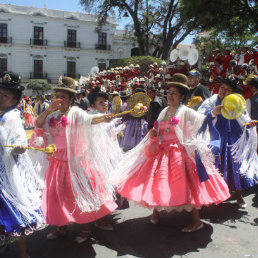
x,y
169,179
59,205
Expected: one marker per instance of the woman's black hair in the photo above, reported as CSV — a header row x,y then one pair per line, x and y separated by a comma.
x,y
70,94
95,93
233,85
17,94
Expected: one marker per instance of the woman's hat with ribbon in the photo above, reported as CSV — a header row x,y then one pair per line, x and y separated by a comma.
x,y
11,81
179,80
66,84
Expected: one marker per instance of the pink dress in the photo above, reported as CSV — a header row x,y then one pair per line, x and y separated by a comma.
x,y
168,179
59,204
29,117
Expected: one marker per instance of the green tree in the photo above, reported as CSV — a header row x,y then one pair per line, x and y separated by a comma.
x,y
143,61
40,86
160,20
233,18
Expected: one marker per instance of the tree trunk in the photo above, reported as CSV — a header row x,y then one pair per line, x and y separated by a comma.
x,y
139,35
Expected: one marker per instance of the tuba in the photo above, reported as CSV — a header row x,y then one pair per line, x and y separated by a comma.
x,y
183,52
193,56
173,55
94,70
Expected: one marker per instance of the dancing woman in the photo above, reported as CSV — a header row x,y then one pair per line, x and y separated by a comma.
x,y
239,169
172,168
78,186
20,200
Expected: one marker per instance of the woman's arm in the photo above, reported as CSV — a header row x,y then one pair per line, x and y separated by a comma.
x,y
99,119
40,121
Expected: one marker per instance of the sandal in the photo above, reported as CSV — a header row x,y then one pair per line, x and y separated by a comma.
x,y
107,226
82,236
241,203
190,230
59,232
154,221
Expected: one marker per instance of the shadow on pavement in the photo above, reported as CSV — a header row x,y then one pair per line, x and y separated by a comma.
x,y
138,237
223,212
65,247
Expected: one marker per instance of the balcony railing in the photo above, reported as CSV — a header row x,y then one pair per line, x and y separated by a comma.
x,y
72,44
6,40
38,42
103,47
73,75
38,75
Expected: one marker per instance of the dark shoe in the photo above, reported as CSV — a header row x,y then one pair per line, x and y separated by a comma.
x,y
56,234
190,230
82,236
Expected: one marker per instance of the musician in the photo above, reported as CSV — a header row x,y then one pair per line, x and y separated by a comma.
x,y
154,108
197,89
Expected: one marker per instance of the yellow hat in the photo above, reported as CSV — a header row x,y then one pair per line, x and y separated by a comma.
x,y
234,105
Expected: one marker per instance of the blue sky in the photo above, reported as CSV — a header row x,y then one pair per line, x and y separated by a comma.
x,y
65,5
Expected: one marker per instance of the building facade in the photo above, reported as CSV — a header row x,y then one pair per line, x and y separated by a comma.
x,y
41,43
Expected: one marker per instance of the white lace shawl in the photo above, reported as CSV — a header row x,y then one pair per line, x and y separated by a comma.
x,y
244,150
189,123
39,158
93,157
18,180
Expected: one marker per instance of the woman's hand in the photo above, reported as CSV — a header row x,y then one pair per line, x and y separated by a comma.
x,y
217,110
153,133
18,150
252,123
54,106
108,118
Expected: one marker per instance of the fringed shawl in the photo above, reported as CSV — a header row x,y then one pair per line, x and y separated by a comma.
x,y
18,180
244,150
186,130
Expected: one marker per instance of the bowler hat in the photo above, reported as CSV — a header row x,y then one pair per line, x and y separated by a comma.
x,y
11,81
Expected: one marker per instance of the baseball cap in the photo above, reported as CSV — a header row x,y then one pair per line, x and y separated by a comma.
x,y
194,72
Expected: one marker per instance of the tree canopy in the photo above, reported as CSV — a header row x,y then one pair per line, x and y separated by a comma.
x,y
40,86
160,19
235,18
168,22
143,61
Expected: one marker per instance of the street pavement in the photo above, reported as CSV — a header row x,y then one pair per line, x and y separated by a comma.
x,y
229,232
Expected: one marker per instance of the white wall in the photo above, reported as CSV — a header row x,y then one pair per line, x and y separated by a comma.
x,y
21,21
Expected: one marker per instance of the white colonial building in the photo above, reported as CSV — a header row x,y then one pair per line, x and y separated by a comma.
x,y
44,43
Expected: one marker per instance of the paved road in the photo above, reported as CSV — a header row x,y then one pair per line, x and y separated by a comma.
x,y
228,232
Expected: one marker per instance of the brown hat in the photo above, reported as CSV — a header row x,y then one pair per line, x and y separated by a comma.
x,y
66,84
179,80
